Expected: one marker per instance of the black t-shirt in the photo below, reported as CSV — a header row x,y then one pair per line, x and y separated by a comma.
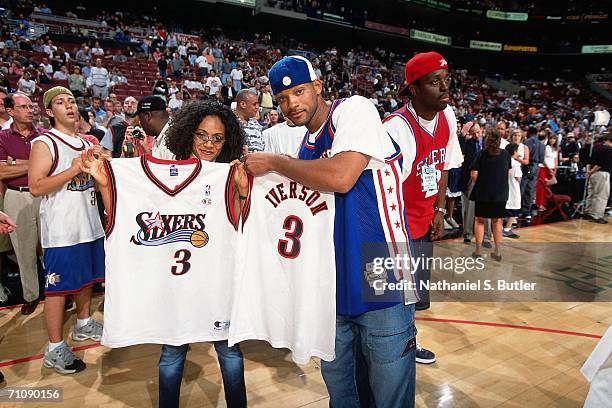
x,y
162,85
492,182
602,157
97,133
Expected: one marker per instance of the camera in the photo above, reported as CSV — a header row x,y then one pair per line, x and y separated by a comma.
x,y
138,133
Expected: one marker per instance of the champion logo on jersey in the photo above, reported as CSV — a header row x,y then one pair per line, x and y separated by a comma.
x,y
174,171
221,325
160,229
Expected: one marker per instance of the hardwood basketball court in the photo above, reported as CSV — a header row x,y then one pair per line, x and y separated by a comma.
x,y
511,354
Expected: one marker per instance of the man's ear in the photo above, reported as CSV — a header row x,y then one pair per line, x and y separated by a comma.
x,y
49,113
412,89
318,86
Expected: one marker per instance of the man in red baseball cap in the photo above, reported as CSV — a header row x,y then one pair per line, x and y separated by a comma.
x,y
426,130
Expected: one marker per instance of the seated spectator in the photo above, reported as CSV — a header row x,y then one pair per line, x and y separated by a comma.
x,y
97,50
41,76
119,57
15,68
177,64
61,57
160,86
49,48
227,93
46,66
117,78
176,102
77,83
62,74
87,124
38,45
83,56
26,85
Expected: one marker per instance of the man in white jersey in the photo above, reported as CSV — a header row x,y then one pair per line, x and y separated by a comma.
x,y
284,138
71,232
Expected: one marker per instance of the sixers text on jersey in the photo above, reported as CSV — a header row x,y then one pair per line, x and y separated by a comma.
x,y
161,229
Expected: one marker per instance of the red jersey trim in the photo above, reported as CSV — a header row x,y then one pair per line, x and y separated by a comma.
x,y
58,137
112,189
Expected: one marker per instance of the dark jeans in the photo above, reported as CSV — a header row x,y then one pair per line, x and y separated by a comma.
x,y
375,360
172,362
528,189
423,248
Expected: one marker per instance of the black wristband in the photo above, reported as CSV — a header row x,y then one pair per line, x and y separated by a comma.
x,y
241,197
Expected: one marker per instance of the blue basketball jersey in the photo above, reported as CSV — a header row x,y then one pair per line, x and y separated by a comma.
x,y
369,226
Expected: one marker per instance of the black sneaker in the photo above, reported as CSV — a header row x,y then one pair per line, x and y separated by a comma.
x,y
424,356
510,234
1,377
487,244
599,221
467,241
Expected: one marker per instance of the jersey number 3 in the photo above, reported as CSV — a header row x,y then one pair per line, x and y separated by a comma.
x,y
290,247
182,257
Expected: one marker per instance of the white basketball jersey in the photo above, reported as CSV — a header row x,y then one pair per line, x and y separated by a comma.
x,y
68,216
170,252
285,287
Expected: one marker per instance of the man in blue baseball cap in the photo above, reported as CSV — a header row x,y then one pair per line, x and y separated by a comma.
x,y
347,151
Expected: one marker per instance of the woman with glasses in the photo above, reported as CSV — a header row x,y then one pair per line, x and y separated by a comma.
x,y
207,131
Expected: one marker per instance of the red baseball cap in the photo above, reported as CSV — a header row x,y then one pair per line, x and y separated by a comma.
x,y
420,65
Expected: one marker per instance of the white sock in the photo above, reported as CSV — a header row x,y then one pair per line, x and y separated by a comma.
x,y
507,229
82,322
53,346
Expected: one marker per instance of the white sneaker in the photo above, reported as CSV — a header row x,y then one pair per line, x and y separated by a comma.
x,y
447,226
453,223
4,293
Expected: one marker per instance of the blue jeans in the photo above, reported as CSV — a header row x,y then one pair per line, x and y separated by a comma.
x,y
172,362
386,339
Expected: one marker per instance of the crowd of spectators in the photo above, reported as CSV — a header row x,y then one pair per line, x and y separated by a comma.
x,y
211,66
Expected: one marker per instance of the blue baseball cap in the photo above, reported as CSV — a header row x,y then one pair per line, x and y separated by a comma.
x,y
289,72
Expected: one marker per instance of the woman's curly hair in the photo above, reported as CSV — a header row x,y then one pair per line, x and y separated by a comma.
x,y
183,125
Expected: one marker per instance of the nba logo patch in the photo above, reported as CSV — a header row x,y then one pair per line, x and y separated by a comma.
x,y
207,190
173,170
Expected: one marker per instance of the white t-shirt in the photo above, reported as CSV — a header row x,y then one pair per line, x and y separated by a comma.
x,y
48,68
214,83
514,186
549,157
402,134
359,129
160,149
175,104
236,74
284,139
201,62
7,124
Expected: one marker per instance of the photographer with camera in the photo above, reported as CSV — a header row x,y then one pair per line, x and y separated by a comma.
x,y
149,138
114,138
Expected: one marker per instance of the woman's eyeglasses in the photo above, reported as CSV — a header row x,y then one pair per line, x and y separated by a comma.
x,y
204,138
